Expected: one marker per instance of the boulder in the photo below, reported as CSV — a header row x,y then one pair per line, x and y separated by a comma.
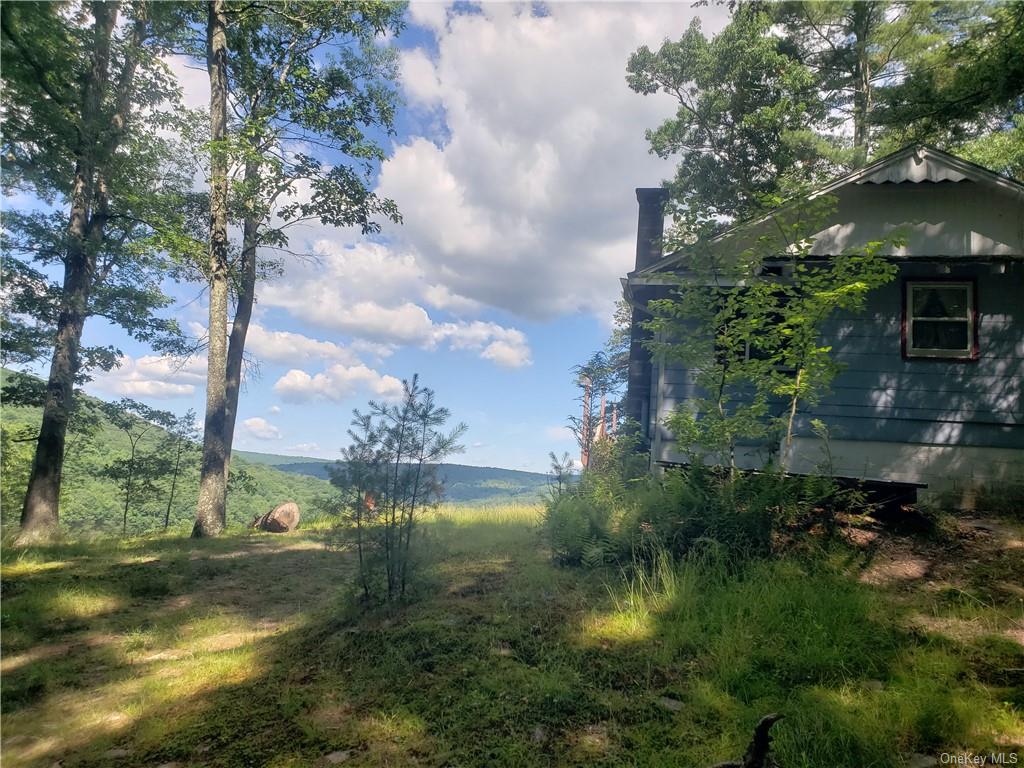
x,y
281,519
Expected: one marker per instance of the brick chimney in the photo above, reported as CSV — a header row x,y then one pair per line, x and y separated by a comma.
x,y
649,232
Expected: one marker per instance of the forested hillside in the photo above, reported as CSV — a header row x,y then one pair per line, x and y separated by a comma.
x,y
463,483
92,495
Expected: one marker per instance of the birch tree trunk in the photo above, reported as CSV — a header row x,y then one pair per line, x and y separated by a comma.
x,y
211,508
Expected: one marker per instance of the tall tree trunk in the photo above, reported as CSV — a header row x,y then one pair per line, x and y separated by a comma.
x,y
211,508
243,315
863,21
40,514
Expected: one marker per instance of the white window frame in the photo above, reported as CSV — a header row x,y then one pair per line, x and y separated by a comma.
x,y
949,354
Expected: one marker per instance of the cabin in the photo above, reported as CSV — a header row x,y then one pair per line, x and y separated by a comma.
x,y
931,391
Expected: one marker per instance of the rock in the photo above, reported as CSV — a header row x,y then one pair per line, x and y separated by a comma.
x,y
338,757
117,752
874,685
539,735
281,519
917,760
673,705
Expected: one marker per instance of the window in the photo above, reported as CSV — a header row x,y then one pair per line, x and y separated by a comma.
x,y
939,320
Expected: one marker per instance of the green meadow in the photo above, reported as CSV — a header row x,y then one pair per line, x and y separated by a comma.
x,y
252,650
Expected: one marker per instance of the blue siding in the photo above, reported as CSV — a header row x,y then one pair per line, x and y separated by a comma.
x,y
883,397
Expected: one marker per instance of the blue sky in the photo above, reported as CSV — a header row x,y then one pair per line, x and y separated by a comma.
x,y
517,153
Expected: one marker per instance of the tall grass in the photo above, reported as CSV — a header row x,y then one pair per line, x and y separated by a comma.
x,y
803,639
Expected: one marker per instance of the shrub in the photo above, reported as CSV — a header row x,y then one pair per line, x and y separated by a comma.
x,y
614,514
388,478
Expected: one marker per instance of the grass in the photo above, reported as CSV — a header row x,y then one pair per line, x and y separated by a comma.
x,y
248,650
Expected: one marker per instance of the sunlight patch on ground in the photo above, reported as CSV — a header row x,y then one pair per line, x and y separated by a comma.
x,y
80,603
394,738
29,566
72,719
607,629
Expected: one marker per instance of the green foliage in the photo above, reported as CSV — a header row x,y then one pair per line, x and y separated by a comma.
x,y
751,338
124,137
966,90
744,108
561,473
93,500
616,512
790,94
582,523
1001,151
389,476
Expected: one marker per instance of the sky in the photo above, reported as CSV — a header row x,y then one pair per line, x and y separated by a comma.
x,y
517,152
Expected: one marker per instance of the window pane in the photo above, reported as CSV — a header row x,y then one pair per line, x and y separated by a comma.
x,y
940,335
937,301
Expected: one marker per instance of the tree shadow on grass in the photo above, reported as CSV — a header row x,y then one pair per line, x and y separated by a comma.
x,y
500,659
451,676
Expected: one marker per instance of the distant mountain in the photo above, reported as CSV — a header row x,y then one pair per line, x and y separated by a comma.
x,y
463,483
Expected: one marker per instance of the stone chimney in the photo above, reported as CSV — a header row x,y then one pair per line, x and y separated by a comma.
x,y
649,232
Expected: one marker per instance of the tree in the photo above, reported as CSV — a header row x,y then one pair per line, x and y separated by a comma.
x,y
83,102
744,105
289,95
178,444
856,48
790,94
601,381
211,507
969,87
388,476
752,339
561,473
137,474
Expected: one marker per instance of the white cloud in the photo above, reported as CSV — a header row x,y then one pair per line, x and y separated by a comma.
x,y
336,383
507,347
441,297
364,347
364,292
506,355
419,78
193,79
261,429
288,347
303,447
528,205
275,409
560,433
154,377
428,13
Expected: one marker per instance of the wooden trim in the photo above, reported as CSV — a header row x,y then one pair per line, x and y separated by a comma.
x,y
975,352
